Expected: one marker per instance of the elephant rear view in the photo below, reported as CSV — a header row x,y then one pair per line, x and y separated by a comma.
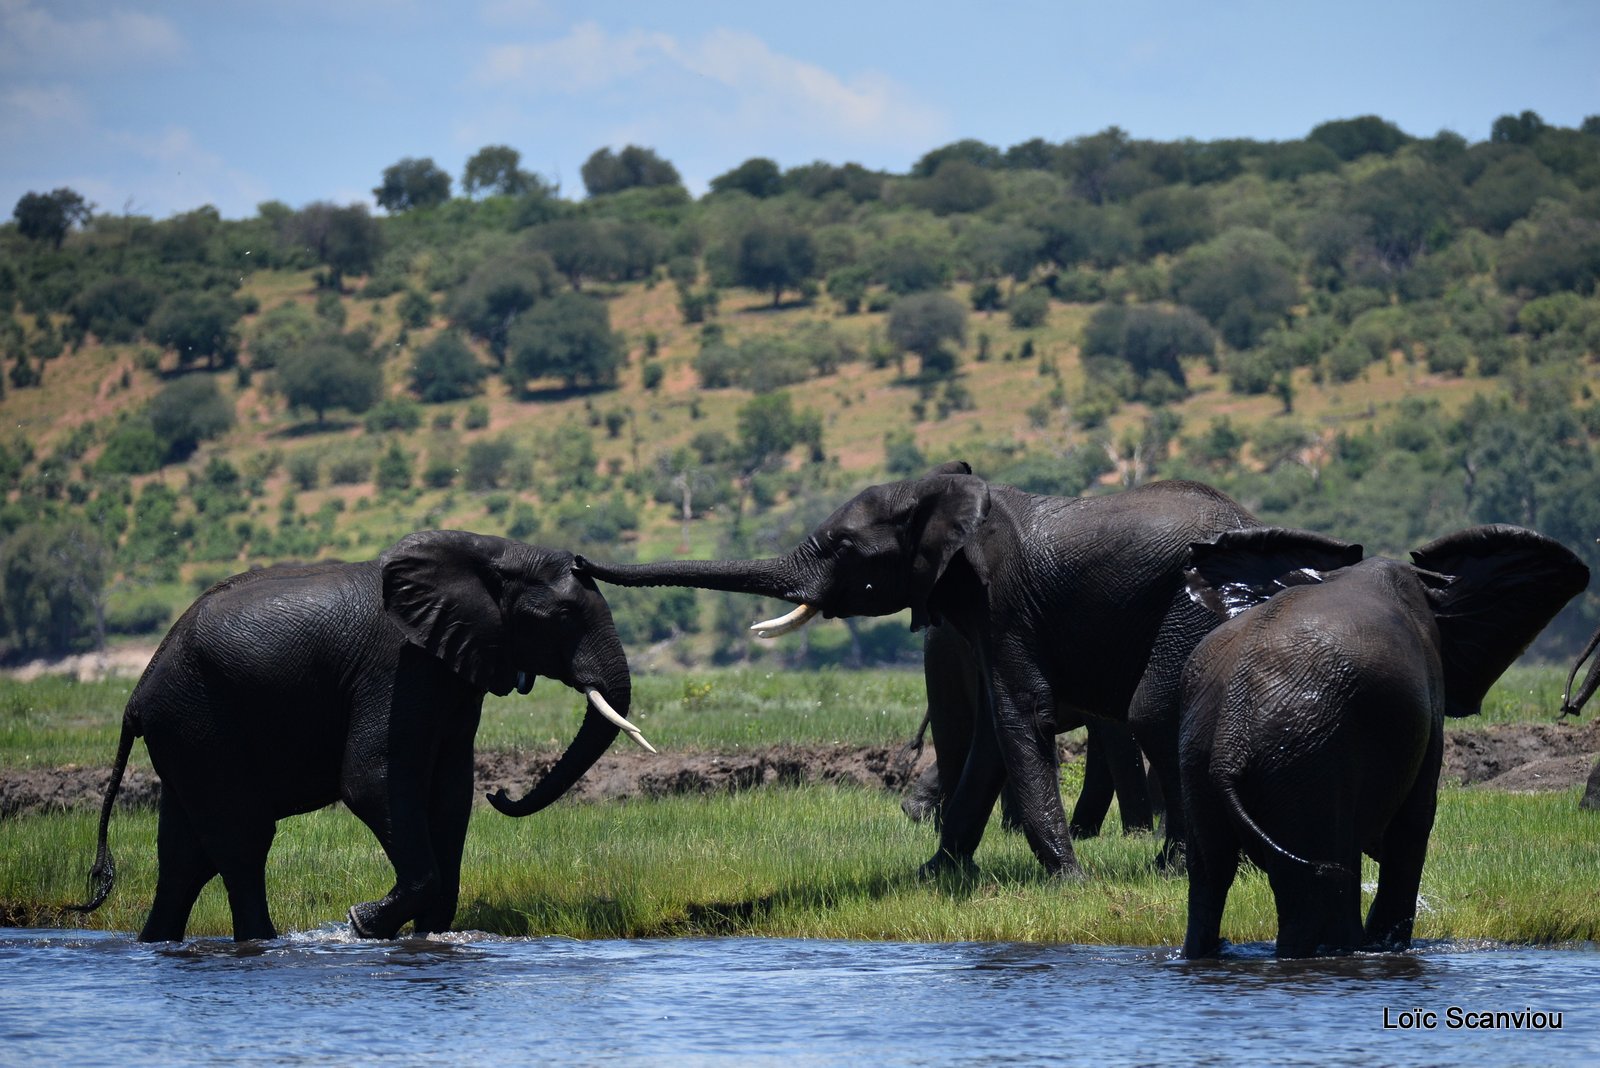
x,y
283,690
1313,718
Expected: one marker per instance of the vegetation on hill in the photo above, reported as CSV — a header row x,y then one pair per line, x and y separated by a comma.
x,y
1380,336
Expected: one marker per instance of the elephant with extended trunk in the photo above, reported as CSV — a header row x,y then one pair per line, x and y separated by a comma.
x,y
1313,719
1572,705
1069,605
283,690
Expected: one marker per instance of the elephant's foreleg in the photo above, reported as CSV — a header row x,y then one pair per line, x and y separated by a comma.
x,y
447,829
1026,736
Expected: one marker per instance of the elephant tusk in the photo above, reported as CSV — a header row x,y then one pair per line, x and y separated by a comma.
x,y
603,706
771,628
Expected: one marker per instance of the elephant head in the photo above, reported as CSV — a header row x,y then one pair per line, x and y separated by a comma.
x,y
1490,589
887,548
500,612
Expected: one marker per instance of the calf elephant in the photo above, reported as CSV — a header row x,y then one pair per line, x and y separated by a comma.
x,y
1572,705
1069,605
283,690
1313,719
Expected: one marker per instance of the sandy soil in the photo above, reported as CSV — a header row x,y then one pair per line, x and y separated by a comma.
x,y
1522,757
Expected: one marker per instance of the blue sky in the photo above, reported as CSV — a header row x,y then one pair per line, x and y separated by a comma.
x,y
161,107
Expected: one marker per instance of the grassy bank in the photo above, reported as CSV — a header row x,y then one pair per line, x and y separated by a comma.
x,y
816,862
823,862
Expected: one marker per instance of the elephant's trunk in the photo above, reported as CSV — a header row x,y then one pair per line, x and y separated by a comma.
x,y
606,699
1571,706
773,577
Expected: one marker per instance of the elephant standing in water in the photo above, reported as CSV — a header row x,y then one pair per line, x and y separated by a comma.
x,y
1313,719
283,690
1573,705
1070,606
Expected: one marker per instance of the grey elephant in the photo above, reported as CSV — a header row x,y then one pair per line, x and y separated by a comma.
x,y
1071,606
1572,705
1313,719
1113,763
282,690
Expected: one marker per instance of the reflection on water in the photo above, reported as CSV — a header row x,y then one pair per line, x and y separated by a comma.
x,y
90,998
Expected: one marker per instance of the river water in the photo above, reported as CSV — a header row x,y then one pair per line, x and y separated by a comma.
x,y
320,997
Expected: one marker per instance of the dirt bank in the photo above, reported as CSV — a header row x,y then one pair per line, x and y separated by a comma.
x,y
1523,757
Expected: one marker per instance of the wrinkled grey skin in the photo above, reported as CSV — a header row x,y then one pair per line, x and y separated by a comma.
x,y
1113,763
1072,607
1313,719
1573,705
283,690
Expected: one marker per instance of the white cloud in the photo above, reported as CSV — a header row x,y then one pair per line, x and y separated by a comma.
x,y
34,38
731,80
29,112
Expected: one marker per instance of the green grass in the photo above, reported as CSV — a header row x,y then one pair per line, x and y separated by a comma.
x,y
817,862
811,862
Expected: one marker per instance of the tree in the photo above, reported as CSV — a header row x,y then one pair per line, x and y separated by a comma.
x,y
115,308
488,304
582,247
923,323
1351,138
569,337
348,240
327,374
496,169
52,582
758,177
1148,339
412,183
445,369
187,412
48,216
774,254
1243,281
957,187
197,324
634,167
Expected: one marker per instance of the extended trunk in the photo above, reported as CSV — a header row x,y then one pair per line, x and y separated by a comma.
x,y
766,578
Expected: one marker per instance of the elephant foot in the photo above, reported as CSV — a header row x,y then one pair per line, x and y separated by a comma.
x,y
1069,873
945,866
364,921
1171,860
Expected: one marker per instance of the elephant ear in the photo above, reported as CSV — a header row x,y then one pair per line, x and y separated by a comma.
x,y
1492,590
442,587
950,509
1242,568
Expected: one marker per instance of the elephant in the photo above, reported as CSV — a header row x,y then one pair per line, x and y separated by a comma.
x,y
1113,763
1071,607
1313,717
282,690
1572,706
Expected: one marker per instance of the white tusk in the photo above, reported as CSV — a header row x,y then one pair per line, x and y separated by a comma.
x,y
771,628
603,706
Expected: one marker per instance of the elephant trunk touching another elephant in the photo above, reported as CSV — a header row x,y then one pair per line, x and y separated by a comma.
x,y
374,674
1067,608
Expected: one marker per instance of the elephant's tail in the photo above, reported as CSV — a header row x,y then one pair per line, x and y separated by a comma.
x,y
104,872
1323,869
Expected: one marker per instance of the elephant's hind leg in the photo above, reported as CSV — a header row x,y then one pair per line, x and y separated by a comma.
x,y
182,870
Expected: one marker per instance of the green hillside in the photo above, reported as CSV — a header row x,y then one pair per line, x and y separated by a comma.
x,y
1382,337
